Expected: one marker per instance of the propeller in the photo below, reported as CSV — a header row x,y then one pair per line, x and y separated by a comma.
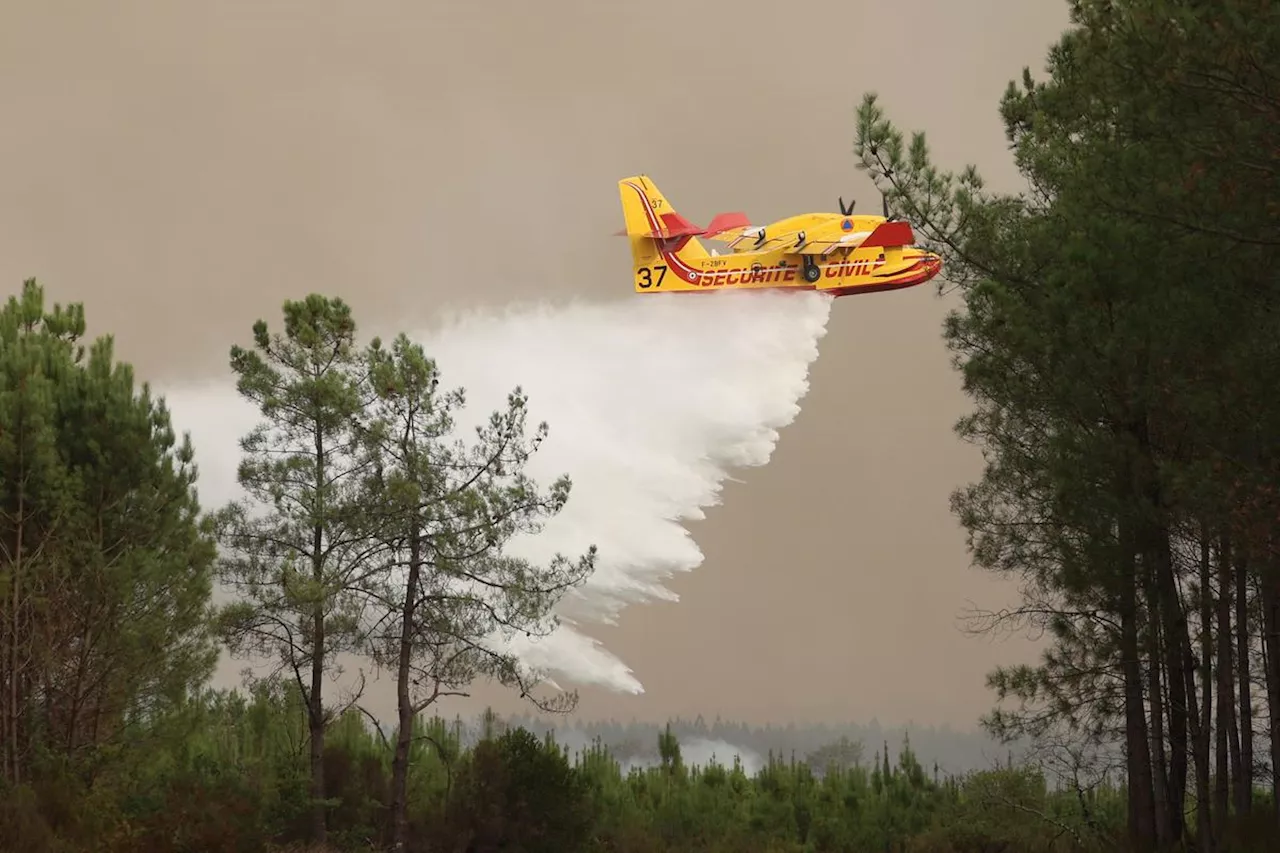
x,y
884,201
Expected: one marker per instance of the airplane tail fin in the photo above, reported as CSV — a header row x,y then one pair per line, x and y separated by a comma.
x,y
654,228
647,213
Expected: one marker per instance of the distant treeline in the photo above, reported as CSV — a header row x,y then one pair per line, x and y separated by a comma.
x,y
952,751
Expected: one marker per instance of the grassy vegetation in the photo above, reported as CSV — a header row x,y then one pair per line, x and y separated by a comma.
x,y
226,772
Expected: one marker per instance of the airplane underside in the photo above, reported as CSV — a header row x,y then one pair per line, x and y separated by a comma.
x,y
918,273
777,271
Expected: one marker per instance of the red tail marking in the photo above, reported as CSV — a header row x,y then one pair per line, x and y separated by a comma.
x,y
663,227
725,221
890,234
675,225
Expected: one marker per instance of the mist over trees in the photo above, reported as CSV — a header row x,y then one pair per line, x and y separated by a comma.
x,y
1116,331
952,751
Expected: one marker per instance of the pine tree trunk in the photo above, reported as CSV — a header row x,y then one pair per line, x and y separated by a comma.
x,y
8,677
315,716
1204,811
1137,752
319,831
1168,769
404,729
1177,648
1270,589
21,625
1228,746
1244,780
1159,778
315,711
11,732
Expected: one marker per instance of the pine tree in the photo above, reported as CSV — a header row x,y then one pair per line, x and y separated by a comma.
x,y
105,565
447,511
300,559
1121,403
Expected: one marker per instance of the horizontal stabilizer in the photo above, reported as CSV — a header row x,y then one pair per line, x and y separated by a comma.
x,y
675,225
722,222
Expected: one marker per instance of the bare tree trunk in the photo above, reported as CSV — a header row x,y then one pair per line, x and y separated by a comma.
x,y
1177,647
15,710
1270,588
1155,692
315,710
315,719
404,701
1228,747
1204,821
8,677
1141,807
1244,780
13,732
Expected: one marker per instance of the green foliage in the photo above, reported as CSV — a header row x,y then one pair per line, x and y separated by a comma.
x,y
1117,338
295,567
448,510
238,780
104,563
517,791
300,569
445,514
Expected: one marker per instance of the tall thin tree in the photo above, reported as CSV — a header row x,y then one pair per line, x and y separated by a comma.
x,y
449,512
300,560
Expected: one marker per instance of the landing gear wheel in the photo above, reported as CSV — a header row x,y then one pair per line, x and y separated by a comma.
x,y
811,271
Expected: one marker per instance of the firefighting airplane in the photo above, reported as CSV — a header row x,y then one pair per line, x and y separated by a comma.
x,y
839,254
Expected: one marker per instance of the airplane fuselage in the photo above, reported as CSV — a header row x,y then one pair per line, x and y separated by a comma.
x,y
840,254
675,266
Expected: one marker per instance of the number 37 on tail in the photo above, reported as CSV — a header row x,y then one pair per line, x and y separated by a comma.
x,y
836,253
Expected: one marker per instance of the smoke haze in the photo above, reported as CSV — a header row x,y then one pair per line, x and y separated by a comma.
x,y
183,167
651,403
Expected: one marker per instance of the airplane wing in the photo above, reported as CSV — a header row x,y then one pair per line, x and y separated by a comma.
x,y
827,245
761,238
736,230
826,242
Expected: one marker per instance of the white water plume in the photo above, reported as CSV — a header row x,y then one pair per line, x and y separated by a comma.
x,y
651,403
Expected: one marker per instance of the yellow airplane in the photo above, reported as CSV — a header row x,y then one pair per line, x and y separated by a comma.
x,y
840,254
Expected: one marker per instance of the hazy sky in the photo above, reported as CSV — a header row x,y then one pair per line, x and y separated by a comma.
x,y
183,167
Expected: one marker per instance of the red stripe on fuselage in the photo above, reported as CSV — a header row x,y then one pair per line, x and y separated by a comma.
x,y
678,266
